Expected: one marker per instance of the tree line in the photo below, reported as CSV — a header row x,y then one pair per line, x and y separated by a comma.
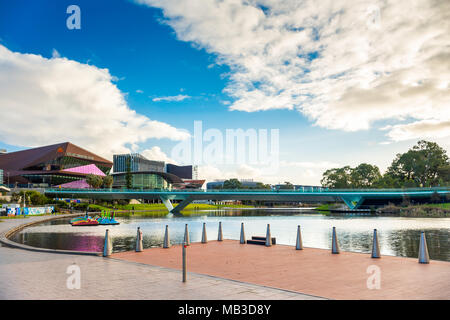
x,y
424,165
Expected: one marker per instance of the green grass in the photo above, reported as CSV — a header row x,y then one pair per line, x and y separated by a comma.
x,y
438,205
160,207
324,207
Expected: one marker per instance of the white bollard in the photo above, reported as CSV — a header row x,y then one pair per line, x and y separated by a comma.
x,y
299,244
186,235
375,245
107,248
220,234
204,237
242,238
268,237
423,250
166,238
139,245
334,242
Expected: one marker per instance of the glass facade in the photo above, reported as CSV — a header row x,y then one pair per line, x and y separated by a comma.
x,y
141,181
137,163
49,179
66,162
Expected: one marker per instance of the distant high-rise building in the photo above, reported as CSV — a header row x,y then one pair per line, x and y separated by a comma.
x,y
137,163
184,172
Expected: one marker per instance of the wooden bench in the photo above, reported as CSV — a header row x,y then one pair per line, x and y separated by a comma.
x,y
260,241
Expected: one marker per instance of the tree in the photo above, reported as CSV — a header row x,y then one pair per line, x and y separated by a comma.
x,y
287,186
444,175
108,182
364,176
37,198
386,182
232,184
94,181
424,164
262,186
337,178
128,176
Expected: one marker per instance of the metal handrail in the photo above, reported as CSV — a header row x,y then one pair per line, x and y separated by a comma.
x,y
309,190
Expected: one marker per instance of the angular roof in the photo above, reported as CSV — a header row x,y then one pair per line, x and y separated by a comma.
x,y
88,169
26,158
79,184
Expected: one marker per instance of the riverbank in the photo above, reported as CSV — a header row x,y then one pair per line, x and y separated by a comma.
x,y
160,206
4,218
441,210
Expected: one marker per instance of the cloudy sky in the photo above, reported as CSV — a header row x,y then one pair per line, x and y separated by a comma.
x,y
344,82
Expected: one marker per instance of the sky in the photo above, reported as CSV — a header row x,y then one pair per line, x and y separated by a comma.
x,y
338,84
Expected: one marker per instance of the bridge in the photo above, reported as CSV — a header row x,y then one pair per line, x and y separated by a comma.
x,y
353,198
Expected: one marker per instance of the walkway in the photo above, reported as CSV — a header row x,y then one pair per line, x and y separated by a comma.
x,y
311,271
39,275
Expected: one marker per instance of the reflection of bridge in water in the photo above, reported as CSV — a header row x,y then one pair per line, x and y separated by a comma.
x,y
353,198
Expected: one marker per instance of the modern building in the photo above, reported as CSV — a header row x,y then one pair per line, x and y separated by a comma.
x,y
136,163
184,172
52,165
147,180
192,184
1,177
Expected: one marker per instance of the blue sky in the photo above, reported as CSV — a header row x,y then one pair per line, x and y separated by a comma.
x,y
151,59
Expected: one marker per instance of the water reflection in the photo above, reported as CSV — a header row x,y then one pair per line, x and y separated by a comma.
x,y
397,236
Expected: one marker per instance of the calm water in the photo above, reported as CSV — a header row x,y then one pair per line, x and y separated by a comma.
x,y
397,236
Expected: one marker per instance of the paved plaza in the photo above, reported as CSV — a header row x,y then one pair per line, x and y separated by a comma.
x,y
39,275
318,272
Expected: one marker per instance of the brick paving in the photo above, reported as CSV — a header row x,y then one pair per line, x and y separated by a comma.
x,y
39,275
311,271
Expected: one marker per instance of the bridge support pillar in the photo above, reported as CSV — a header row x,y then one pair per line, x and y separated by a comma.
x,y
177,210
353,202
167,203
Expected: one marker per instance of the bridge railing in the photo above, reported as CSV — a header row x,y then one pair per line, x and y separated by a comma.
x,y
306,190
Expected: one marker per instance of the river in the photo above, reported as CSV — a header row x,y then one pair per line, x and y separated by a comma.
x,y
398,236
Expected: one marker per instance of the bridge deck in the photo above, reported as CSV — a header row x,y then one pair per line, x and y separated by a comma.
x,y
310,271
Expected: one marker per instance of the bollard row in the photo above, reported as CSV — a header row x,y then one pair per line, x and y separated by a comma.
x,y
107,249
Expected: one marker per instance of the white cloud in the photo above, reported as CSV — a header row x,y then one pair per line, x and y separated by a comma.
x,y
343,64
430,129
179,97
139,91
45,101
155,153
